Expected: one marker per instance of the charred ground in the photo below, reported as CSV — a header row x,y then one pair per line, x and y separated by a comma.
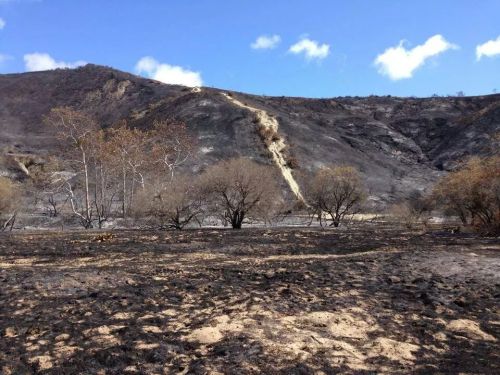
x,y
295,301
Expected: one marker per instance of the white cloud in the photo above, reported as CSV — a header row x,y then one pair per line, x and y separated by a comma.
x,y
43,61
2,23
489,49
172,74
266,42
399,63
310,48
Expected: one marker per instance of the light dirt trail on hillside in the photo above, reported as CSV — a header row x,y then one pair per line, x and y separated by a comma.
x,y
275,147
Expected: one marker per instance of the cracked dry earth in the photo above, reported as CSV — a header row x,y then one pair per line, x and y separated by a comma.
x,y
291,301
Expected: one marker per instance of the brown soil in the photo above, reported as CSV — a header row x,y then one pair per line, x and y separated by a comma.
x,y
291,301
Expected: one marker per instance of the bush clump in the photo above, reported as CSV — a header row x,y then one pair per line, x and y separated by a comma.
x,y
473,194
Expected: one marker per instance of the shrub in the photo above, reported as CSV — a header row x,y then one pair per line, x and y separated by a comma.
x,y
336,191
174,204
237,189
267,135
473,193
416,209
292,162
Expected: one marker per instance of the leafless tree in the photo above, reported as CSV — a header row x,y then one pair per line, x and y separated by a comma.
x,y
128,149
104,185
336,191
172,145
240,188
109,167
43,188
77,130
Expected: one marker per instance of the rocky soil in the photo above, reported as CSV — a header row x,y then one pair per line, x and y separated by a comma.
x,y
284,301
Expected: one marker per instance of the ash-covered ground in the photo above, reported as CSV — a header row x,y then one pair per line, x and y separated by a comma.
x,y
398,144
362,300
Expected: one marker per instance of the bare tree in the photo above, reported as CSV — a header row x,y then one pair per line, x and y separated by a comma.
x,y
43,188
172,145
239,188
128,149
104,184
335,191
77,130
110,166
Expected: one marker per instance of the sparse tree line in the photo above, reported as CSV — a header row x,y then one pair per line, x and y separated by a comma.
x,y
133,174
104,171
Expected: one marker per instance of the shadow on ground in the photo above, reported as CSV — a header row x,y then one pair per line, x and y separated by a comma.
x,y
291,301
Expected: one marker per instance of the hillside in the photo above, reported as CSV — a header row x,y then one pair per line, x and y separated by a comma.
x,y
399,144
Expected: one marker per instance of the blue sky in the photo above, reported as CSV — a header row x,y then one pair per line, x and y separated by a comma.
x,y
307,48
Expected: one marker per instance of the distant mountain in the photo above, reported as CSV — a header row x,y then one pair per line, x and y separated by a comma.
x,y
399,144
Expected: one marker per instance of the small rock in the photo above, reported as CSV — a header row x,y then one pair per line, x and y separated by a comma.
x,y
10,332
33,330
439,336
269,274
62,337
394,279
130,281
206,335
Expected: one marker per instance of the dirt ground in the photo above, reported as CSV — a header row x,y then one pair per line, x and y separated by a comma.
x,y
288,301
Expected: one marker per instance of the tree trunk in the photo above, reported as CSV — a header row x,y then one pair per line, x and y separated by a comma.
x,y
10,222
87,192
463,218
237,219
176,220
124,185
53,203
336,219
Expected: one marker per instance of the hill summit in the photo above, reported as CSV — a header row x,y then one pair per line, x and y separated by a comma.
x,y
398,144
